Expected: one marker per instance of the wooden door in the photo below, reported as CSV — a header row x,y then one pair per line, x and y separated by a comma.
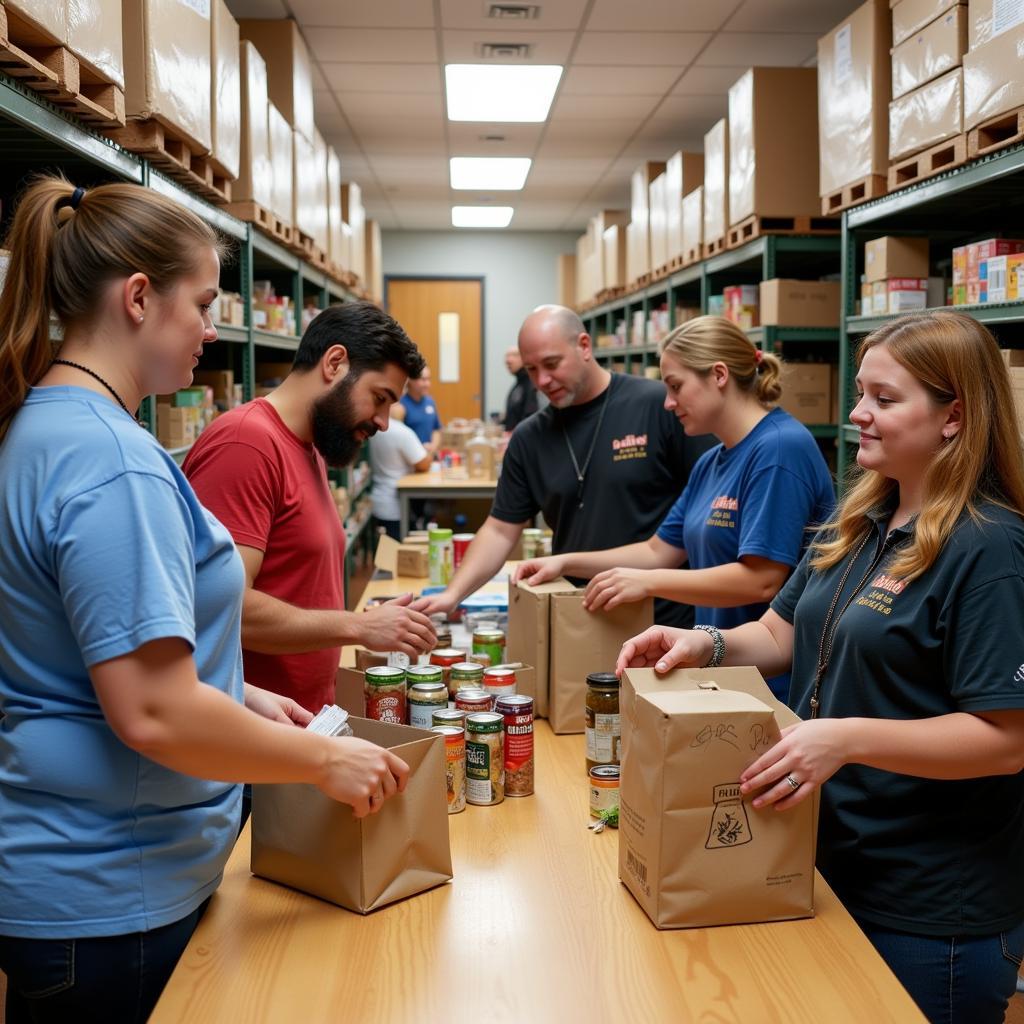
x,y
445,319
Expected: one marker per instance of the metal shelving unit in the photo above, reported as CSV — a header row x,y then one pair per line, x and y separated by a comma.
x,y
981,199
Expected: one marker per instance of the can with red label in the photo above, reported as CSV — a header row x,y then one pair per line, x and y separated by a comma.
x,y
460,543
517,711
472,701
384,688
499,682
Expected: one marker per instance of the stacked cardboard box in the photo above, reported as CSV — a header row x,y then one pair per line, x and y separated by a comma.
x,y
657,220
567,280
773,144
255,171
1014,359
374,268
282,157
799,303
94,35
810,392
181,417
993,83
716,187
353,214
613,256
684,174
930,39
853,107
339,250
638,235
693,226
225,92
895,275
320,224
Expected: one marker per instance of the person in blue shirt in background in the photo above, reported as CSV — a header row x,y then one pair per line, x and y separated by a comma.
x,y
743,519
421,412
121,690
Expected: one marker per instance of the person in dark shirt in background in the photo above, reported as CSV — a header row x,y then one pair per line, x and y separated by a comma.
x,y
522,398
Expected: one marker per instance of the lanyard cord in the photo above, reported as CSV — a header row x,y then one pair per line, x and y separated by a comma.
x,y
581,473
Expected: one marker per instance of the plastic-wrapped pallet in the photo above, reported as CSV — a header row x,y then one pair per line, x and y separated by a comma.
x,y
281,156
226,92
94,36
255,171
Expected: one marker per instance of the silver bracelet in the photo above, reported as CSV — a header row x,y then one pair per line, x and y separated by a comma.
x,y
718,650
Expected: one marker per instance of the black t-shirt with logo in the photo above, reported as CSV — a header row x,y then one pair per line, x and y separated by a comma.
x,y
925,856
641,462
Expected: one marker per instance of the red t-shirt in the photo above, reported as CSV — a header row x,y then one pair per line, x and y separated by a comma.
x,y
270,490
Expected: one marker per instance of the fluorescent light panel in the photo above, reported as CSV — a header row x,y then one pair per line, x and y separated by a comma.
x,y
500,92
495,173
481,216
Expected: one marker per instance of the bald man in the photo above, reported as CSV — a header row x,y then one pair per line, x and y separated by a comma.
x,y
604,461
522,398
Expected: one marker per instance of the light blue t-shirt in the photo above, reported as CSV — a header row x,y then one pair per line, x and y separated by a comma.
x,y
103,548
757,498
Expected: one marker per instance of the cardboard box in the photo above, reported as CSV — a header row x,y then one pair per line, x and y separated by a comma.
x,y
177,426
167,50
989,18
304,213
692,850
337,248
658,221
638,237
807,391
716,182
374,260
742,303
289,69
566,294
693,225
613,246
94,34
773,144
318,175
222,382
684,173
40,22
910,16
994,76
255,170
895,256
927,116
225,91
854,73
282,161
906,294
937,48
353,214
790,303
304,839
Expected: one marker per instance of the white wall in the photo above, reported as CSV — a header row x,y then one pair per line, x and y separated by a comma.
x,y
519,269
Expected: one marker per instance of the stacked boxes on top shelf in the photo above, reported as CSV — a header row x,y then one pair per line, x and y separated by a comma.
x,y
993,84
638,233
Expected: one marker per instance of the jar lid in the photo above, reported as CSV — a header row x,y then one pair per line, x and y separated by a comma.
x,y
606,680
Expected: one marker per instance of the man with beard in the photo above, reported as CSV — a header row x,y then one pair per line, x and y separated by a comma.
x,y
604,460
261,469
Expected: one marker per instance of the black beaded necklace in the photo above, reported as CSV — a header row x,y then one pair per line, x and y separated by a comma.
x,y
95,376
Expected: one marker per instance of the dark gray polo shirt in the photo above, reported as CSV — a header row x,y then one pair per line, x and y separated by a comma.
x,y
926,856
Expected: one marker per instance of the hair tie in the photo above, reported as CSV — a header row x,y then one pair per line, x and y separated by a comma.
x,y
67,206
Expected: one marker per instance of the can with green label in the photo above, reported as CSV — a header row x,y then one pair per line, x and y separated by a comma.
x,y
440,557
485,758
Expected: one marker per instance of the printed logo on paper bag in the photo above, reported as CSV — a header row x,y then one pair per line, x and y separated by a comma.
x,y
729,824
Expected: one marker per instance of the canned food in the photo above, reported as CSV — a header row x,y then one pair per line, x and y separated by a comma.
x,y
448,716
466,675
500,682
604,789
454,765
517,711
446,657
439,557
424,674
490,642
532,543
460,544
424,699
473,700
485,758
384,689
480,658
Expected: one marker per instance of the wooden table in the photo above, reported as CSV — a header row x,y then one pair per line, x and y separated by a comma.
x,y
432,485
535,927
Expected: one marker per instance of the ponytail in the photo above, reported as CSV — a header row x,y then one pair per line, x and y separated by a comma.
x,y
768,380
66,245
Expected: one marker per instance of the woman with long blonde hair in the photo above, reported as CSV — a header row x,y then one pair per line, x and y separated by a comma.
x,y
741,521
903,627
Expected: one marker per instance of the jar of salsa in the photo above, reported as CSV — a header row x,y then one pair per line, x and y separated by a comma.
x,y
603,730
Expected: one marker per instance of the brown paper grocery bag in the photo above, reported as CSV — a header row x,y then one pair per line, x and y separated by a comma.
x,y
582,642
692,851
303,839
529,627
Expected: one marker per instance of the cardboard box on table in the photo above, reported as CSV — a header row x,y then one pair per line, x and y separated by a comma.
x,y
303,839
927,116
854,75
935,49
549,629
693,852
994,71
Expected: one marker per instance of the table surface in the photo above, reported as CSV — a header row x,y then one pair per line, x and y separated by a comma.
x,y
535,926
435,481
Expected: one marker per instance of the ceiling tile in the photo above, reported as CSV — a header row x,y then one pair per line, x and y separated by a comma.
x,y
766,49
428,145
819,17
600,108
375,134
372,45
605,133
567,192
463,47
636,81
700,81
389,105
399,169
383,77
563,14
411,191
365,13
319,82
692,110
662,15
673,49
468,138
580,170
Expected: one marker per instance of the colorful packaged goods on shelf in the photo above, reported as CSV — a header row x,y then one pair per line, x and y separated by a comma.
x,y
742,305
976,267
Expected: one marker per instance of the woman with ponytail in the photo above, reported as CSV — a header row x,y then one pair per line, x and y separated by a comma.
x,y
903,627
121,690
741,521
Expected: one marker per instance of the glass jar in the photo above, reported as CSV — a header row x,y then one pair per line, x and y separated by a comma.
x,y
603,729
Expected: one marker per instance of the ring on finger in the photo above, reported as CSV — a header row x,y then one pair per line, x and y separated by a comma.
x,y
794,785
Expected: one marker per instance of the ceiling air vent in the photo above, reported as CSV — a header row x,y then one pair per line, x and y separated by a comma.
x,y
513,12
505,51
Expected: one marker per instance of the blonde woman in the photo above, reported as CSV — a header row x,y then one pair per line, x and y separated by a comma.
x,y
741,521
903,626
121,684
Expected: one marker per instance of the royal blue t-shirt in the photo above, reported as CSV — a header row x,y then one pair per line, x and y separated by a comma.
x,y
421,417
757,498
103,548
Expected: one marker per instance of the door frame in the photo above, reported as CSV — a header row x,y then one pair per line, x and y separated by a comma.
x,y
388,278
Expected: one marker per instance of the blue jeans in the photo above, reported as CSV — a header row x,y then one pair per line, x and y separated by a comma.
x,y
954,980
115,979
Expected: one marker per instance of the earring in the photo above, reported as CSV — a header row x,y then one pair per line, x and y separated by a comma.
x,y
141,319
